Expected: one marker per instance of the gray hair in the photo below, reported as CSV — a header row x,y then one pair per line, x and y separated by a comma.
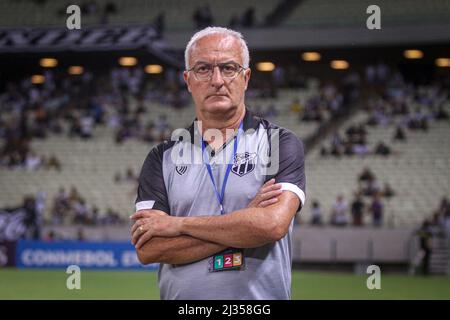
x,y
217,30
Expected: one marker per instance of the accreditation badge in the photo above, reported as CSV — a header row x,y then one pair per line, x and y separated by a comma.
x,y
230,259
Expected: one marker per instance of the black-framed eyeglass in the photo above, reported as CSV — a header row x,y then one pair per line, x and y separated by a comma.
x,y
203,71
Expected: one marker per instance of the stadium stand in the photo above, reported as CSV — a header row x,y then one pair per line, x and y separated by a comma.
x,y
91,164
178,14
421,158
417,161
420,164
91,133
323,13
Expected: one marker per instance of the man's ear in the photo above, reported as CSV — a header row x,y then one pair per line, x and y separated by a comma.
x,y
247,75
186,79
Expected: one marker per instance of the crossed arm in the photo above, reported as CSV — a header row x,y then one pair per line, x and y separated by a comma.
x,y
176,250
180,240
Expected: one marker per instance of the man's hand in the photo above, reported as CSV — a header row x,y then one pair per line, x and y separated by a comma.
x,y
151,223
267,195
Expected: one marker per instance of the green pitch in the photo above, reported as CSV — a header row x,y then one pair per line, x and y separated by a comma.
x,y
51,284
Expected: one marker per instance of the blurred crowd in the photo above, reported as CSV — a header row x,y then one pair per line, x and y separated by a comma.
x,y
354,143
435,227
203,17
407,106
75,105
368,200
71,208
391,101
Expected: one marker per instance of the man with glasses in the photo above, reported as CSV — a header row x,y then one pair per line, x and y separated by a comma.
x,y
221,227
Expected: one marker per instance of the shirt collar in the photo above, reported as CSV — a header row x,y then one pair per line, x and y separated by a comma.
x,y
250,122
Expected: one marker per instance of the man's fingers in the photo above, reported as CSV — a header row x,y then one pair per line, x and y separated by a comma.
x,y
140,214
268,183
271,187
139,223
135,237
146,214
136,225
269,194
143,239
269,190
137,233
266,203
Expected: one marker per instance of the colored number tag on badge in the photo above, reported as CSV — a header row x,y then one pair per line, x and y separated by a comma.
x,y
227,260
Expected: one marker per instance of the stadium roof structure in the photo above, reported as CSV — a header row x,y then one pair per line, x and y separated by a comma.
x,y
89,39
277,24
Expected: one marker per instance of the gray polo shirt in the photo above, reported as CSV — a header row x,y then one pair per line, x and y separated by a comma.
x,y
175,179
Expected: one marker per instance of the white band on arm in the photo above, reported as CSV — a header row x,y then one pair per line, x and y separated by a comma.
x,y
143,205
295,189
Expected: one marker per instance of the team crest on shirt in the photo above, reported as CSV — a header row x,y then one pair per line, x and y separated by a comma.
x,y
243,163
181,169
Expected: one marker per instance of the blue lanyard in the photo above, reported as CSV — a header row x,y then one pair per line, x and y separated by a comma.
x,y
220,196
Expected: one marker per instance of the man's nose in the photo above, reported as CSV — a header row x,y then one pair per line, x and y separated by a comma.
x,y
216,78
